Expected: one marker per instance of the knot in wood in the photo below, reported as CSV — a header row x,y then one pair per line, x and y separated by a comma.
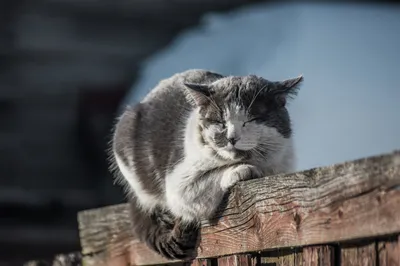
x,y
297,220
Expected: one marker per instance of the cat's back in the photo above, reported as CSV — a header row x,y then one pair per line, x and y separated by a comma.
x,y
172,88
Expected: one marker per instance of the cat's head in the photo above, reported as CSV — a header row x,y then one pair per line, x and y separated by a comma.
x,y
244,116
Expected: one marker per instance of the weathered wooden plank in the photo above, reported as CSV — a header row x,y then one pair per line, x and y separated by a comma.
x,y
359,255
318,256
103,259
330,204
238,260
389,252
287,257
201,262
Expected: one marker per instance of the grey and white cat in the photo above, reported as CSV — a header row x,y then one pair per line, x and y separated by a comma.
x,y
194,136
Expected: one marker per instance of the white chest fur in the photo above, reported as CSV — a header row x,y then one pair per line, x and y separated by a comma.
x,y
184,186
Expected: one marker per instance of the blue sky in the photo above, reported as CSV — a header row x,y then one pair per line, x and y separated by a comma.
x,y
349,55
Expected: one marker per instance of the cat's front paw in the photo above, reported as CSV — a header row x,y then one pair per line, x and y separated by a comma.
x,y
239,173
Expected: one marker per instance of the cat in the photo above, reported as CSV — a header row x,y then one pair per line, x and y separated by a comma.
x,y
193,137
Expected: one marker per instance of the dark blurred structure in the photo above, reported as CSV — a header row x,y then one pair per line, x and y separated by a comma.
x,y
64,66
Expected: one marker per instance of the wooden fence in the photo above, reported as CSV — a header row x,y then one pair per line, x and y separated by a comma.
x,y
345,214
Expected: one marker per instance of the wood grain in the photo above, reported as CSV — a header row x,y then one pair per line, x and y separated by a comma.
x,y
288,257
359,255
330,204
238,260
389,252
318,256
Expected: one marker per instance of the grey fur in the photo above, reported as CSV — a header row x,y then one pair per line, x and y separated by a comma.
x,y
149,141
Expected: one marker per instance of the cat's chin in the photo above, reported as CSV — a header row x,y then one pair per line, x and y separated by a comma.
x,y
231,154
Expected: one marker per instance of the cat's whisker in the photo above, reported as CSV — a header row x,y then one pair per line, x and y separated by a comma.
x,y
260,153
256,152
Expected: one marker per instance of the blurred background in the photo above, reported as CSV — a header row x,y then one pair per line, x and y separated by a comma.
x,y
67,67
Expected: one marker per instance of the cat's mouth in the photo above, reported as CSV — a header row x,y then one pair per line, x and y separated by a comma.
x,y
233,153
229,151
235,148
231,148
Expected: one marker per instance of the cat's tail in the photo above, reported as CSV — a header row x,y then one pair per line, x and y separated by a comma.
x,y
168,236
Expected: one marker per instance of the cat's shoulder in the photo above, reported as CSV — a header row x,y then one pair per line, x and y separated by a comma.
x,y
173,86
198,76
131,113
127,120
201,76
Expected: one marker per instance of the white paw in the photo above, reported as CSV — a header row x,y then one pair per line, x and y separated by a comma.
x,y
239,173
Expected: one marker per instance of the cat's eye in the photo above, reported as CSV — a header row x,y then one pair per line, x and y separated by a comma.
x,y
219,123
251,120
216,122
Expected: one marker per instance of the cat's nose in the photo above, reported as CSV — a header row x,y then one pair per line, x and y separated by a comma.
x,y
232,141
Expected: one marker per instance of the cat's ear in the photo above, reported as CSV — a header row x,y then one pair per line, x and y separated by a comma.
x,y
287,89
199,92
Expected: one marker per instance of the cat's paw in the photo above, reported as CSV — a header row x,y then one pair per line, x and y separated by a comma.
x,y
240,173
